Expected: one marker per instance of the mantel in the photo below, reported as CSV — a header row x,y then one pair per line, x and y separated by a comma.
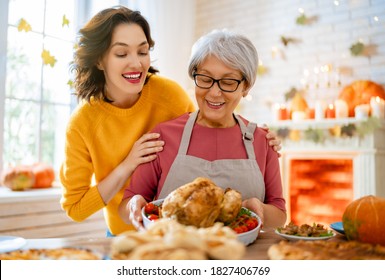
x,y
371,141
319,124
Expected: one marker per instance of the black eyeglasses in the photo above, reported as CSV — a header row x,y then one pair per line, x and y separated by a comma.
x,y
226,84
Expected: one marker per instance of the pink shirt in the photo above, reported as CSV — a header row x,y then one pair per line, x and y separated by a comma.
x,y
209,144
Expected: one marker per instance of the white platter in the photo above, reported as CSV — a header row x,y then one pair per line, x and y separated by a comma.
x,y
308,238
11,243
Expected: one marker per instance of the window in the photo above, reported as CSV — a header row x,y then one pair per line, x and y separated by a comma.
x,y
37,41
36,102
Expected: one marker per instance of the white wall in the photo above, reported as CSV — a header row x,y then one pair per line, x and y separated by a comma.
x,y
326,41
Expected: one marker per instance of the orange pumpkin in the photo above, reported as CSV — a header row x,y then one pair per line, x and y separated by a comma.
x,y
44,175
24,177
364,220
360,92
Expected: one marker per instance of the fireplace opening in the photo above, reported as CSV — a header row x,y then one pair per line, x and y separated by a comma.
x,y
319,189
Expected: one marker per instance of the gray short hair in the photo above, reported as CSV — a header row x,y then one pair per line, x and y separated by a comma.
x,y
233,49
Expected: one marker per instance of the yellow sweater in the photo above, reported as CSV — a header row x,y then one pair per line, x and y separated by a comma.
x,y
99,136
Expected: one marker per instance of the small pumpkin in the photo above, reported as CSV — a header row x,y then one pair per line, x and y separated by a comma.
x,y
44,175
359,92
18,178
24,177
364,220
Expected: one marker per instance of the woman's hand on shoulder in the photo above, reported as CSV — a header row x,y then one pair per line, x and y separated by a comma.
x,y
273,139
144,150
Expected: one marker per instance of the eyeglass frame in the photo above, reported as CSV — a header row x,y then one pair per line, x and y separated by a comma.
x,y
217,82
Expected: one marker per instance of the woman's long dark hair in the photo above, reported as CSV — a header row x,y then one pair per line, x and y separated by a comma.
x,y
95,39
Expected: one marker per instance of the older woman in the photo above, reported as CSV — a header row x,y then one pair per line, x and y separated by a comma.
x,y
214,142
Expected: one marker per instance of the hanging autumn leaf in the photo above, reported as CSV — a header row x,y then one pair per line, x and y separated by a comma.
x,y
65,21
23,25
301,20
305,20
290,93
261,70
357,48
48,58
287,40
70,83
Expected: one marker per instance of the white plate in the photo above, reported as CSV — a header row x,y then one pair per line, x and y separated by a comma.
x,y
296,237
11,243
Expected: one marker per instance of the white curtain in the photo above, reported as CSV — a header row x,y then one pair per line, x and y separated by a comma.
x,y
172,26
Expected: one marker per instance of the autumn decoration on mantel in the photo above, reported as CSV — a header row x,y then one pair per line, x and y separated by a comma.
x,y
360,92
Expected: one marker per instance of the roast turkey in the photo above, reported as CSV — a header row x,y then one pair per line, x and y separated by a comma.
x,y
201,203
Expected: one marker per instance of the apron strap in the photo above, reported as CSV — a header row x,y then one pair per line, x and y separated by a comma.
x,y
247,136
185,141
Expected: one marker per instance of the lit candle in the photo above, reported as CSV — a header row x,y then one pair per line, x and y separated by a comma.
x,y
298,116
319,113
377,107
283,114
361,111
341,107
330,112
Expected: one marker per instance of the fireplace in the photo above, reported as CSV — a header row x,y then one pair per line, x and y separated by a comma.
x,y
320,189
321,179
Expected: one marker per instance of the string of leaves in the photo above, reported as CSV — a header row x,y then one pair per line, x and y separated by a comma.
x,y
318,135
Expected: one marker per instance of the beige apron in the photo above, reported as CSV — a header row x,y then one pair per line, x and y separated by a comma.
x,y
243,175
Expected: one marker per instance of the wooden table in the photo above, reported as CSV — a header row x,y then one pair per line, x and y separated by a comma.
x,y
255,251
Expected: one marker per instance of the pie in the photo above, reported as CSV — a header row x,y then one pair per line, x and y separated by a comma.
x,y
168,240
325,250
51,254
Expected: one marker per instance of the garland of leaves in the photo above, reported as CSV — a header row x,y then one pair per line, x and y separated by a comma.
x,y
318,135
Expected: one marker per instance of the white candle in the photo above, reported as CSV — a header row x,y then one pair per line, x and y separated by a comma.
x,y
377,107
341,107
298,115
275,108
361,111
319,108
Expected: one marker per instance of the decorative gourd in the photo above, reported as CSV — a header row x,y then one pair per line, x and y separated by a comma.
x,y
298,103
24,177
18,178
44,175
364,220
360,92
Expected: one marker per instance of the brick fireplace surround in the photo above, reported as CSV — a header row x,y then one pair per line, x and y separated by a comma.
x,y
319,180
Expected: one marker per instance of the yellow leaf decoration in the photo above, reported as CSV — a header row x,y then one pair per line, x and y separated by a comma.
x,y
65,21
262,70
48,58
24,25
70,83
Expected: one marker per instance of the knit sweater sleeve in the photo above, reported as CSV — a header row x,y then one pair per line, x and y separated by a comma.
x,y
79,198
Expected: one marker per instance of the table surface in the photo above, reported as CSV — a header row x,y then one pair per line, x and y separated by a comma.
x,y
255,251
